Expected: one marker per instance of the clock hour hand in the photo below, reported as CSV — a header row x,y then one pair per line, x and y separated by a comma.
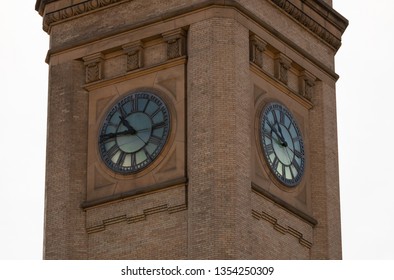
x,y
282,141
276,139
126,124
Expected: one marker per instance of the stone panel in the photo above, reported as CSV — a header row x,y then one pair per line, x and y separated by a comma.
x,y
170,163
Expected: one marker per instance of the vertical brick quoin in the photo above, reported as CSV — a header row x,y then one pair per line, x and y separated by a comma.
x,y
219,100
66,167
325,178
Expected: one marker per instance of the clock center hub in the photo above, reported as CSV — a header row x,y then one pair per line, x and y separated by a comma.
x,y
139,135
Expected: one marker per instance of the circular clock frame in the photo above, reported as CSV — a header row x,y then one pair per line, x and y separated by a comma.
x,y
134,132
282,144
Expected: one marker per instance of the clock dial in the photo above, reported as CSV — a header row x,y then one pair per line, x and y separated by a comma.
x,y
282,144
134,132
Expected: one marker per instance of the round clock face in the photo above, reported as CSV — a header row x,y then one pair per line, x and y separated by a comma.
x,y
134,132
282,144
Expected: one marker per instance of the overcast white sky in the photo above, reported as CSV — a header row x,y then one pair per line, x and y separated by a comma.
x,y
365,99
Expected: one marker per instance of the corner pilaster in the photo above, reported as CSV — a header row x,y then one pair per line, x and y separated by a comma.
x,y
94,67
282,66
257,47
176,43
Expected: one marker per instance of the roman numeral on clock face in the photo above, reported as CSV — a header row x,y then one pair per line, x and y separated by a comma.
x,y
298,154
133,159
275,164
269,149
296,139
122,112
274,116
134,104
158,125
121,158
155,140
296,165
267,134
112,151
282,117
147,154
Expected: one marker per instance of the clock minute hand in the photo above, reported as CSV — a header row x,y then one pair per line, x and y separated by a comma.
x,y
107,136
112,135
280,130
284,143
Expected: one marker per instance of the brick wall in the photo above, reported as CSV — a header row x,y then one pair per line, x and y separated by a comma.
x,y
198,200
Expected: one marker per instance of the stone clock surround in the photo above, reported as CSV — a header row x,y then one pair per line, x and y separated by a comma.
x,y
159,56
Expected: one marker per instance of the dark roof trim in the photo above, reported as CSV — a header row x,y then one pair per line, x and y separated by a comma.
x,y
40,4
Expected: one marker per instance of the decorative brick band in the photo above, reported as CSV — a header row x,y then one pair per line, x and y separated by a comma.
x,y
138,218
259,190
282,228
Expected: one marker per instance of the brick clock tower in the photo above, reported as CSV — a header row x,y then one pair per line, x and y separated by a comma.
x,y
199,129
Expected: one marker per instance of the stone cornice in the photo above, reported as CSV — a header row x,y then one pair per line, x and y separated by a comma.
x,y
328,13
324,11
75,10
313,25
135,192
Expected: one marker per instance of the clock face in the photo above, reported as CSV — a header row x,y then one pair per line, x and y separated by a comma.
x,y
282,144
134,132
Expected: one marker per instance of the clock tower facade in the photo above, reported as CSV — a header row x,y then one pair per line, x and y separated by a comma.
x,y
198,129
